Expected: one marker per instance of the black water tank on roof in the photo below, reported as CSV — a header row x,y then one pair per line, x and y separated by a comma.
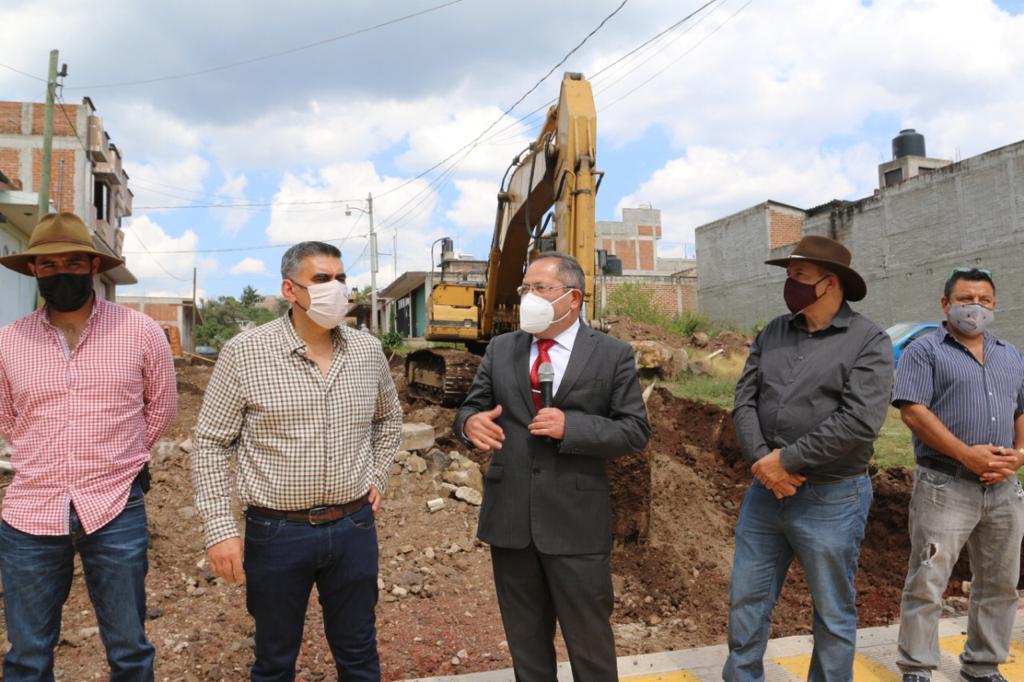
x,y
908,143
613,266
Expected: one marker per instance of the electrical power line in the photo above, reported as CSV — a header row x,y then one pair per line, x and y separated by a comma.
x,y
272,55
472,143
674,61
155,260
24,73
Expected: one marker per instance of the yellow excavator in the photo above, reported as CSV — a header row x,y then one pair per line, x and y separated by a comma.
x,y
555,172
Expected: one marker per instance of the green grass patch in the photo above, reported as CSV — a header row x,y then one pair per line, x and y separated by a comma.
x,y
636,302
705,388
893,447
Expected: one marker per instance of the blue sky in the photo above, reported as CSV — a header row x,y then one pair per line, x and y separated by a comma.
x,y
778,99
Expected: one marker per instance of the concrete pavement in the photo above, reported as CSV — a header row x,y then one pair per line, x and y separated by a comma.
x,y
786,660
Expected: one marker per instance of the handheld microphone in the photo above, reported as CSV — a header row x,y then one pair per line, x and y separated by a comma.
x,y
546,379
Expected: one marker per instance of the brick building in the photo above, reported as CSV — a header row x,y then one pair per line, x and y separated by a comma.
x,y
174,315
927,216
672,282
86,178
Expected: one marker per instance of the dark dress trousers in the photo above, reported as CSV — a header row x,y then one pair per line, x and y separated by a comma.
x,y
546,511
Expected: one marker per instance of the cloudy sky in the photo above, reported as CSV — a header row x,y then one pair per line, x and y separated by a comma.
x,y
250,125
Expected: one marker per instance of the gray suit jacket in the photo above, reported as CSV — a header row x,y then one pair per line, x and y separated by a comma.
x,y
555,494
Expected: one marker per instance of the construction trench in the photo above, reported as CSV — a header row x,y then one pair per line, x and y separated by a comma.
x,y
675,508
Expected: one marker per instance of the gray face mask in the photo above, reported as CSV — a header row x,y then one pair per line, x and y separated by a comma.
x,y
970,319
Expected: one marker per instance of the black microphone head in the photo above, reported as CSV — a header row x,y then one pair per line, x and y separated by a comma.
x,y
546,373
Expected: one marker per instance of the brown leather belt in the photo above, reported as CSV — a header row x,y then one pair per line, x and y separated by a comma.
x,y
317,515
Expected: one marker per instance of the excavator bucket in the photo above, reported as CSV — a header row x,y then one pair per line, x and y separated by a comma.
x,y
440,375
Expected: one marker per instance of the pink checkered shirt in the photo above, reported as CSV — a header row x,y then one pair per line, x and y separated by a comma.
x,y
81,423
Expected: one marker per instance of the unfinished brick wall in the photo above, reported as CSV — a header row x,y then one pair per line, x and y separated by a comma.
x,y
10,163
64,180
10,118
162,312
61,125
783,228
665,292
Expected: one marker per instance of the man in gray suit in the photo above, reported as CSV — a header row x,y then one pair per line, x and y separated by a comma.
x,y
546,511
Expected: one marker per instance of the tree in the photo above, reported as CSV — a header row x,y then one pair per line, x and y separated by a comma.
x,y
250,297
225,316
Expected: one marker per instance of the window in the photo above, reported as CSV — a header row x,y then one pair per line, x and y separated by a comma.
x,y
100,199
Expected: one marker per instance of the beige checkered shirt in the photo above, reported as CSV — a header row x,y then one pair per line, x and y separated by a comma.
x,y
302,439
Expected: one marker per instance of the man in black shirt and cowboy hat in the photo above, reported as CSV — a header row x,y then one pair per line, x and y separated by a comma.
x,y
809,405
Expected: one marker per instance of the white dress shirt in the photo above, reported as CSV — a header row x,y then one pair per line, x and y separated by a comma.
x,y
559,353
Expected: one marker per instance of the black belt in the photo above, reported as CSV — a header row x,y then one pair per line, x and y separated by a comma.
x,y
950,468
317,515
833,478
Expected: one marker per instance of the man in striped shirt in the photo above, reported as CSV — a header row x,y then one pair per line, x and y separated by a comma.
x,y
308,408
86,388
961,392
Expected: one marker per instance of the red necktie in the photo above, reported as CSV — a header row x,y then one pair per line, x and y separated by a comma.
x,y
542,356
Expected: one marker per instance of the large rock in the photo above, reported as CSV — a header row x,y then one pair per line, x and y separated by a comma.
x,y
417,436
415,464
469,496
654,357
437,460
470,478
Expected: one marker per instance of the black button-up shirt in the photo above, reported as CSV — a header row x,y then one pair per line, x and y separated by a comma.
x,y
977,402
820,396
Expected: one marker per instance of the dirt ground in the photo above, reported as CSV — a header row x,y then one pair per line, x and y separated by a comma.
x,y
676,506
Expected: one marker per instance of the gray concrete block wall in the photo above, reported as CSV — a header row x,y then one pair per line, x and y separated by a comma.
x,y
905,241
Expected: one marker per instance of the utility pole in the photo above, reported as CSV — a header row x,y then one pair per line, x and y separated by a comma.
x,y
373,265
44,176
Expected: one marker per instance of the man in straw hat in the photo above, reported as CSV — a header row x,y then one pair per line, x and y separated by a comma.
x,y
86,388
809,405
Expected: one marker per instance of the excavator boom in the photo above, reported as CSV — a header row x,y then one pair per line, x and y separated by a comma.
x,y
556,177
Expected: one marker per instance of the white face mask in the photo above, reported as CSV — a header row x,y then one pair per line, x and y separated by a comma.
x,y
536,314
328,303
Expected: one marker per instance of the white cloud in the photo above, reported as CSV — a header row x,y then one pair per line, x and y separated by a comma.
x,y
474,208
249,265
233,191
173,183
408,210
154,256
710,183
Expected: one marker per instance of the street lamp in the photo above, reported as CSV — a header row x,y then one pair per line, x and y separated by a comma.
x,y
373,257
430,287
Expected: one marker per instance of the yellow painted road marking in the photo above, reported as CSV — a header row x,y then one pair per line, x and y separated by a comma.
x,y
864,669
677,676
1012,670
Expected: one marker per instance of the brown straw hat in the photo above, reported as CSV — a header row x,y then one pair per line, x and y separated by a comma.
x,y
58,233
832,256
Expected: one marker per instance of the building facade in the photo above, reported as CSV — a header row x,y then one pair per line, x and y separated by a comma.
x,y
86,178
633,241
905,240
174,315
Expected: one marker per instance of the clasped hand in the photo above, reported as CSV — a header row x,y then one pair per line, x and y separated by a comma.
x,y
773,475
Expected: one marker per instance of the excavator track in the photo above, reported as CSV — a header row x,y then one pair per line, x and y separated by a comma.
x,y
440,375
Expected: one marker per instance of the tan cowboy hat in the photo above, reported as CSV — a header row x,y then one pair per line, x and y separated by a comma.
x,y
58,233
832,256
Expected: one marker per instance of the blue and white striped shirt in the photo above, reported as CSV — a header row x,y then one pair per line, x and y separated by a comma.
x,y
976,402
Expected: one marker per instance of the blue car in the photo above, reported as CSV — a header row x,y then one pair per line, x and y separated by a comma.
x,y
903,334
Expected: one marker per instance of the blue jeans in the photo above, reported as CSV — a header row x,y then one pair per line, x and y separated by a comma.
x,y
283,559
37,571
822,526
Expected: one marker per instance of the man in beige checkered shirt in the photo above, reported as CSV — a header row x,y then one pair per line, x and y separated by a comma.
x,y
309,409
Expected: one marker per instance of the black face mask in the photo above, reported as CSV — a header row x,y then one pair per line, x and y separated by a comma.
x,y
65,292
